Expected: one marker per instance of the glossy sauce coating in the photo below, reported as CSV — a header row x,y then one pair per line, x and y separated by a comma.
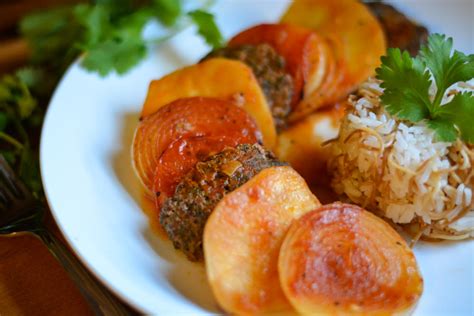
x,y
181,156
342,259
197,116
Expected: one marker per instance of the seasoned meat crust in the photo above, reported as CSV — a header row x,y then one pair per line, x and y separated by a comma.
x,y
184,215
269,69
400,31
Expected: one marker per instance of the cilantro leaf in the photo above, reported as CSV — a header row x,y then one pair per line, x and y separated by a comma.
x,y
445,130
406,84
95,21
52,35
107,32
112,47
119,55
168,11
459,114
207,28
446,69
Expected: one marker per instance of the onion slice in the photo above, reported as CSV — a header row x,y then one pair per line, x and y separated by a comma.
x,y
205,117
305,53
341,259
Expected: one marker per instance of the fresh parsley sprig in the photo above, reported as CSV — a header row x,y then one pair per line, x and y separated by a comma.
x,y
109,34
407,82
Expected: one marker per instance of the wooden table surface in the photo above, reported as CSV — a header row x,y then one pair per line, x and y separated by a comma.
x,y
31,280
33,283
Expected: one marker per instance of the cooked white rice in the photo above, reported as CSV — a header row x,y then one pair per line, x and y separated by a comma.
x,y
399,170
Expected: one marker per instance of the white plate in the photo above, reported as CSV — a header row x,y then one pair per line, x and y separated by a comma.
x,y
96,199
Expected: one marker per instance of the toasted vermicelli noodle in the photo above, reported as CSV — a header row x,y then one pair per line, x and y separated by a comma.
x,y
399,170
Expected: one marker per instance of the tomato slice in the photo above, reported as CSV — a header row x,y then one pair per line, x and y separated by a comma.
x,y
218,78
183,154
187,117
301,48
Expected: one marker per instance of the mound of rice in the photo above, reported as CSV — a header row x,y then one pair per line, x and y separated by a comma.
x,y
398,170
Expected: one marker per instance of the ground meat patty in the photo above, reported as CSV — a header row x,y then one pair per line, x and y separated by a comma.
x,y
400,31
269,69
184,215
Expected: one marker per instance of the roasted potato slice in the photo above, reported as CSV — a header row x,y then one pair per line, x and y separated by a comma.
x,y
341,259
348,25
303,142
242,239
215,78
328,92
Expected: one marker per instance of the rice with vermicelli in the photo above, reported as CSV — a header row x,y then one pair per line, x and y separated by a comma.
x,y
400,171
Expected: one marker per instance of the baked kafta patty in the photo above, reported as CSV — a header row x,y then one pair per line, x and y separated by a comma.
x,y
184,215
269,69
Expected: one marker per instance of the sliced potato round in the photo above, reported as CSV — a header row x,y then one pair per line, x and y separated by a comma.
x,y
303,142
242,240
341,259
215,78
354,33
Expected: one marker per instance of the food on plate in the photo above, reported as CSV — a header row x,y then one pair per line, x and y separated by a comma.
x,y
406,145
242,240
402,147
326,95
184,214
198,116
340,259
399,30
182,155
269,69
302,144
347,25
215,78
304,52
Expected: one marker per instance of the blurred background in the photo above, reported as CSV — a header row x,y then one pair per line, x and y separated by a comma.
x,y
31,280
13,49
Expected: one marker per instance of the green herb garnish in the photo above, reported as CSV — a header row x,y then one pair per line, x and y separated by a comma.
x,y
407,83
19,113
109,34
207,28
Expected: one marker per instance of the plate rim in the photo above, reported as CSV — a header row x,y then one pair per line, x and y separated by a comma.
x,y
73,245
